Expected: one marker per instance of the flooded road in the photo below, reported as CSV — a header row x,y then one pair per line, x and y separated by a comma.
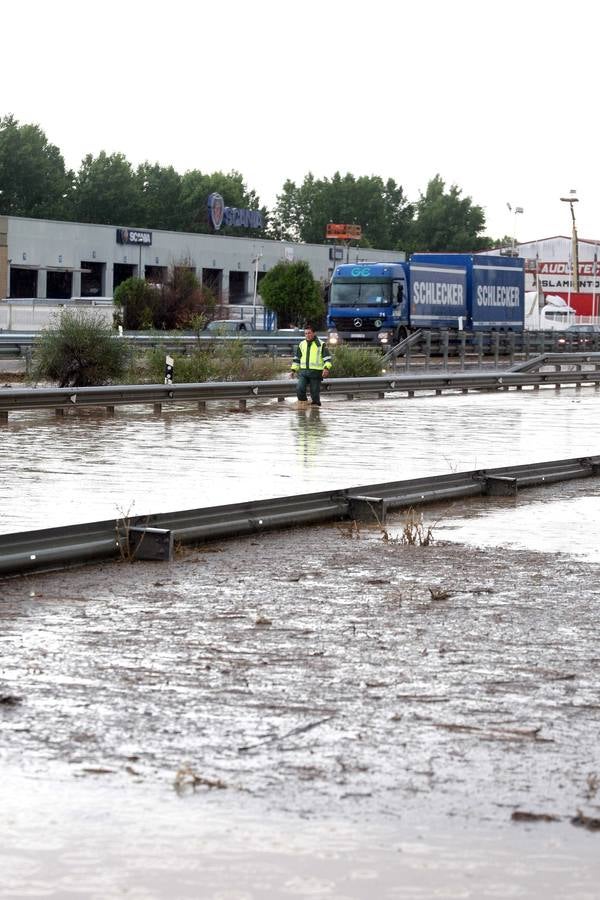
x,y
563,518
87,467
313,713
308,713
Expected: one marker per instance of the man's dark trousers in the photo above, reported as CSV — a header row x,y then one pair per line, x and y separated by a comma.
x,y
311,379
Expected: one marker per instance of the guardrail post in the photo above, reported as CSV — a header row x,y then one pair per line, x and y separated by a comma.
x,y
59,411
242,404
3,416
511,347
201,404
150,543
500,486
496,346
427,351
367,509
479,345
157,407
110,410
445,343
462,338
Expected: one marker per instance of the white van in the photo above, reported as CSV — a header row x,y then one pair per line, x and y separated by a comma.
x,y
554,315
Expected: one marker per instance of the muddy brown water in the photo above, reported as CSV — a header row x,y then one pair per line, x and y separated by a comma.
x,y
312,713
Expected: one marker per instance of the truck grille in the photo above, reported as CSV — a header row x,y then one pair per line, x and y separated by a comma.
x,y
355,324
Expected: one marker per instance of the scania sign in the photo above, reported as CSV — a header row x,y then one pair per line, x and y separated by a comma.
x,y
134,236
219,214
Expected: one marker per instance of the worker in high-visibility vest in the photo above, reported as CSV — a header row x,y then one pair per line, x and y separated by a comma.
x,y
311,363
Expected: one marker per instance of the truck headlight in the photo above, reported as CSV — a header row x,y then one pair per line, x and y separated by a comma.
x,y
333,338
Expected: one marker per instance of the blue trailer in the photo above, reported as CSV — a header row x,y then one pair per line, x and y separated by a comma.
x,y
384,302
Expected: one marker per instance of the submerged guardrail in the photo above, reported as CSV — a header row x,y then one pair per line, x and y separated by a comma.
x,y
153,536
563,371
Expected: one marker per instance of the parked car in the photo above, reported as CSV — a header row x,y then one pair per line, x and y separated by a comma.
x,y
227,327
580,335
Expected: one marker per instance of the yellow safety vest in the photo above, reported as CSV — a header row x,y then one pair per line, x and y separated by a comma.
x,y
314,356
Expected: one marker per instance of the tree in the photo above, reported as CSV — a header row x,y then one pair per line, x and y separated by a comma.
x,y
159,190
447,222
498,243
33,178
106,191
139,302
380,208
195,189
80,351
290,290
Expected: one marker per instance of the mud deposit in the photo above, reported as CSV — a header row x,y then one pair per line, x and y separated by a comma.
x,y
312,713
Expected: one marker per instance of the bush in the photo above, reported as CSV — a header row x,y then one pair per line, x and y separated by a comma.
x,y
355,362
183,301
139,302
215,362
79,351
179,302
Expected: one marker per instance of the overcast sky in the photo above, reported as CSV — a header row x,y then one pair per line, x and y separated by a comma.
x,y
499,99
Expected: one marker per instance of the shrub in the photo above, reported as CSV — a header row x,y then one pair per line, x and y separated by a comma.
x,y
215,362
183,300
79,351
139,302
355,362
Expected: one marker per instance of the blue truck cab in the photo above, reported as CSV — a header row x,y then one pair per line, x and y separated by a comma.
x,y
368,301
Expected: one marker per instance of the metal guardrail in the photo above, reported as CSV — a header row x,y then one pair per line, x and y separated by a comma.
x,y
413,340
17,344
23,552
567,370
558,360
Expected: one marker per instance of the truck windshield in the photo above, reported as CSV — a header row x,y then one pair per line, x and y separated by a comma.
x,y
360,293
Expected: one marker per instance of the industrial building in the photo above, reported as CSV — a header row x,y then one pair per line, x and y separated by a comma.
x,y
550,269
49,260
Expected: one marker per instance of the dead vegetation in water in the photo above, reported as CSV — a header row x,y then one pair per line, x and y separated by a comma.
x,y
523,816
583,821
186,778
350,530
414,533
593,783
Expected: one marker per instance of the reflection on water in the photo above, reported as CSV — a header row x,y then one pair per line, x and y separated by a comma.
x,y
310,430
87,467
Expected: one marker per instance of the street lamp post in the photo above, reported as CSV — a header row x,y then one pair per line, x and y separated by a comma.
x,y
256,260
518,211
571,199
